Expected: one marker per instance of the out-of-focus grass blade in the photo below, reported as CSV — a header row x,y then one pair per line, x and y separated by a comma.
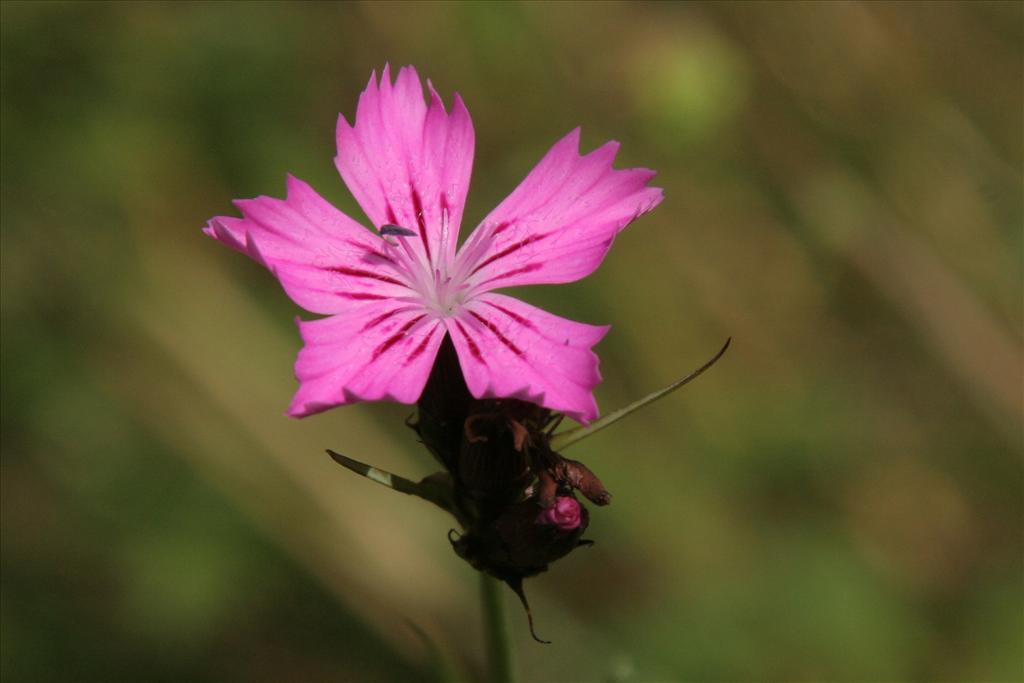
x,y
442,667
568,438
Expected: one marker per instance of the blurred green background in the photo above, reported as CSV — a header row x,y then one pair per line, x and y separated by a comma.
x,y
840,499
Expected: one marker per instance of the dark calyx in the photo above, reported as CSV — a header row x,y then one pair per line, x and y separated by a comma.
x,y
503,477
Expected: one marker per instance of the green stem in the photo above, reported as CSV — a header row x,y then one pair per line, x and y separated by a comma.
x,y
499,650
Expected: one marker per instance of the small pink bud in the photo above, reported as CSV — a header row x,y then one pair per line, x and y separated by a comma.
x,y
565,514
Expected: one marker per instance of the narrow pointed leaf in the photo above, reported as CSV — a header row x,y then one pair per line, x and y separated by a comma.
x,y
435,488
565,439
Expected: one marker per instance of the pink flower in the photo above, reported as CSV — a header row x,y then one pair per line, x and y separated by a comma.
x,y
565,513
392,296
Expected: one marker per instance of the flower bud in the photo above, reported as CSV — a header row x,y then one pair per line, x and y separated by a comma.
x,y
565,514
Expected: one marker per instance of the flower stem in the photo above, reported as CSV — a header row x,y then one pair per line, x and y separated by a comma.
x,y
499,650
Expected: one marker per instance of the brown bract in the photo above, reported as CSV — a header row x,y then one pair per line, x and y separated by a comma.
x,y
501,475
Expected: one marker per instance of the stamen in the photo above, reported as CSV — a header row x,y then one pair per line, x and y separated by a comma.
x,y
413,263
431,278
444,236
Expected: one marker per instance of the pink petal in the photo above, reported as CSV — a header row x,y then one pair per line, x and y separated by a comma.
x,y
375,351
509,349
325,260
559,223
408,165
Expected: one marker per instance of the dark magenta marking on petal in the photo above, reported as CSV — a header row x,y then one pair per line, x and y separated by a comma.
x,y
379,319
473,348
497,333
442,200
370,254
396,337
392,218
509,250
421,220
362,246
515,316
356,272
362,296
369,250
418,350
374,258
528,268
501,227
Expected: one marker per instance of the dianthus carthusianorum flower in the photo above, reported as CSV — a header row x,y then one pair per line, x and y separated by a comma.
x,y
391,295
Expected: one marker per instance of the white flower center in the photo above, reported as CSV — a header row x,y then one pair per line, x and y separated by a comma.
x,y
446,296
441,292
